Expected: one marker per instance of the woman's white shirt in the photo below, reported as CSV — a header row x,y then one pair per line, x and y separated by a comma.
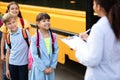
x,y
101,53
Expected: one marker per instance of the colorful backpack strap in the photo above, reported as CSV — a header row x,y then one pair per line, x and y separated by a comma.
x,y
24,32
54,38
37,44
25,36
37,40
22,22
8,41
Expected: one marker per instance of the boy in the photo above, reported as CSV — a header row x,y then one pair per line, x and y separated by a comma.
x,y
17,50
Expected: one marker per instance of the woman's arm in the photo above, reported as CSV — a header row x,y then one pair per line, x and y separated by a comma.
x,y
90,53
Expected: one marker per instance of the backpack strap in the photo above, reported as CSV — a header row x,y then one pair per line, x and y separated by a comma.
x,y
8,40
25,36
54,38
22,22
37,43
24,32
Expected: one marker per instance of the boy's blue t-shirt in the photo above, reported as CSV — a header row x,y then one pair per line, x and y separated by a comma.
x,y
19,50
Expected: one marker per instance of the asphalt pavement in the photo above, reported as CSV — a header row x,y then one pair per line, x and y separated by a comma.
x,y
70,71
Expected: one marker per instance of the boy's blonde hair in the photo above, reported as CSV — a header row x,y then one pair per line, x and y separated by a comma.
x,y
7,17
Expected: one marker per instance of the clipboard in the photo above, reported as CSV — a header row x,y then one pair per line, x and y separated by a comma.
x,y
73,42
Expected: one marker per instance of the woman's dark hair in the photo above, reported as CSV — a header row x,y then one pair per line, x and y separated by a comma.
x,y
114,18
112,8
11,3
40,17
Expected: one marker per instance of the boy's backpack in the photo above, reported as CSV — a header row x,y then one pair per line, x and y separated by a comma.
x,y
30,58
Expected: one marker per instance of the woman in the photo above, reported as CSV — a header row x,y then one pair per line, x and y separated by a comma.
x,y
101,52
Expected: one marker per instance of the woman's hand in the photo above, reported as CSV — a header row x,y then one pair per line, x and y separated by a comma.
x,y
84,36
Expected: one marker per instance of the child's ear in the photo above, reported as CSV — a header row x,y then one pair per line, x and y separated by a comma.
x,y
36,23
8,11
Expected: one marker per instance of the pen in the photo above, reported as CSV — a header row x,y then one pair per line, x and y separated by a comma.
x,y
87,31
83,32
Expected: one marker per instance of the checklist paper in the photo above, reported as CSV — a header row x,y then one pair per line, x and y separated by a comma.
x,y
74,42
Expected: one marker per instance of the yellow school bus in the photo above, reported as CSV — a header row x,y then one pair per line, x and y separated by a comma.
x,y
67,18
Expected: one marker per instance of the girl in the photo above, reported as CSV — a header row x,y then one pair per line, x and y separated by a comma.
x,y
101,52
13,8
44,51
